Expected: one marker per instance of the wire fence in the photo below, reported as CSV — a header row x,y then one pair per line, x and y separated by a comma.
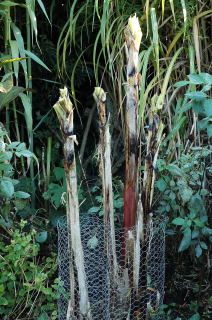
x,y
113,299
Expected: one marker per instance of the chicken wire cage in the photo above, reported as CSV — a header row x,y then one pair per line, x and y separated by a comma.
x,y
109,298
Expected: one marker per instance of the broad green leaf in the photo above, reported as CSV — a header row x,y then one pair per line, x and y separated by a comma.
x,y
207,231
36,59
55,194
197,106
207,87
25,153
202,124
175,170
3,301
161,184
5,167
201,78
43,316
59,173
20,204
7,188
181,83
196,78
195,234
27,110
207,106
41,237
186,193
12,145
21,195
186,241
6,98
6,156
209,130
21,146
196,204
207,78
172,196
93,242
196,95
204,218
118,203
179,221
94,210
198,251
203,245
198,223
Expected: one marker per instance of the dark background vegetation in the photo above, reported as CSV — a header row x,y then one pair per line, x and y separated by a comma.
x,y
79,61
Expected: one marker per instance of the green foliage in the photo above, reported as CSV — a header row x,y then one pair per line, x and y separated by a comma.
x,y
56,192
97,207
11,197
168,312
26,283
199,100
183,198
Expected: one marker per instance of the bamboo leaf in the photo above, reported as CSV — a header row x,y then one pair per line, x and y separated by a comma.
x,y
184,11
143,84
15,55
11,4
27,110
155,37
167,77
36,59
174,41
6,98
33,19
19,39
172,8
43,9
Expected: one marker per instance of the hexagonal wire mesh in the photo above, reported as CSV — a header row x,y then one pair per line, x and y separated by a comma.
x,y
109,298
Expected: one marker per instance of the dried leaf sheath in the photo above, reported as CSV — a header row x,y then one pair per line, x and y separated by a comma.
x,y
106,173
64,111
133,38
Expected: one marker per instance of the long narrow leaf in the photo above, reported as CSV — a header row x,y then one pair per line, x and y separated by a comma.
x,y
36,59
